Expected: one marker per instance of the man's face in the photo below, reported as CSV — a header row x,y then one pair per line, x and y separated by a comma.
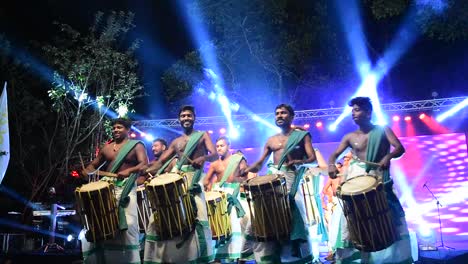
x,y
282,117
222,147
119,131
186,119
360,115
158,148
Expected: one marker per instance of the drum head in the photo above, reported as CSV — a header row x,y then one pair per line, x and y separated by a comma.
x,y
358,184
261,180
213,197
93,186
164,179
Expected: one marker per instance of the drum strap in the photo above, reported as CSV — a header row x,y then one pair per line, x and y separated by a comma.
x,y
190,147
233,201
373,154
298,232
233,164
294,138
163,168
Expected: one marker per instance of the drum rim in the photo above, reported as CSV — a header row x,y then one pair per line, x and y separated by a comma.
x,y
278,179
104,184
340,191
217,199
176,179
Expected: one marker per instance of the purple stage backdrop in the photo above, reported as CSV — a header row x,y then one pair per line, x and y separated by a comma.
x,y
440,162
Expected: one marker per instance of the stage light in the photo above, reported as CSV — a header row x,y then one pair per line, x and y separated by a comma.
x,y
293,126
149,137
407,118
422,116
426,237
69,238
452,111
222,131
306,126
332,127
210,131
132,135
233,133
319,124
75,174
142,134
396,118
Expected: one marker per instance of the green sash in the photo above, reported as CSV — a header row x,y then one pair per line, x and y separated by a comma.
x,y
298,230
126,183
233,164
189,148
372,154
161,170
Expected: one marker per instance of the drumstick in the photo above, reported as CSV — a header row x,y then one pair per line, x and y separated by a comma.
x,y
104,173
367,162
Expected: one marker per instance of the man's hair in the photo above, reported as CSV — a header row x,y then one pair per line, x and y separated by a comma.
x,y
339,163
122,121
225,139
162,141
363,102
187,108
287,107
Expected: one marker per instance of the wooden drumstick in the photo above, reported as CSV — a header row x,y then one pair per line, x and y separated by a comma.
x,y
104,173
367,162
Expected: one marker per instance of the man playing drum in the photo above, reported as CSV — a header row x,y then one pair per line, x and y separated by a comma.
x,y
125,158
158,147
290,147
223,175
193,148
370,146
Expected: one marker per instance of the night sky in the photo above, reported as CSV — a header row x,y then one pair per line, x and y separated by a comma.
x,y
429,65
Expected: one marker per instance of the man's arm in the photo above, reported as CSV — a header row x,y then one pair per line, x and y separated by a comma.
x,y
208,181
94,164
310,153
142,159
165,156
398,149
344,144
210,148
258,165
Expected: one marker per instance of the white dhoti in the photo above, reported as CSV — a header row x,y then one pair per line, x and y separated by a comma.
x,y
195,247
399,252
286,251
124,248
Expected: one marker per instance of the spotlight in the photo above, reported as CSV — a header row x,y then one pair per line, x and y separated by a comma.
x,y
319,124
210,131
396,118
69,238
142,134
222,131
422,116
149,137
132,135
293,126
332,127
407,118
306,126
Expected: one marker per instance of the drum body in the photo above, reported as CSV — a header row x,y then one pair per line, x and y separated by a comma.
x,y
97,207
170,201
220,222
369,219
311,209
144,208
269,207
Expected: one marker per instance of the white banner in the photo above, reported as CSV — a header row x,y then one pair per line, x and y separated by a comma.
x,y
4,134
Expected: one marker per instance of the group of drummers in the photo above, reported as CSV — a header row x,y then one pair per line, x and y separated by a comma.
x,y
230,213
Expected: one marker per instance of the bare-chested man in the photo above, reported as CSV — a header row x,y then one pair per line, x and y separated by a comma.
x,y
125,158
193,148
290,147
158,147
224,175
371,143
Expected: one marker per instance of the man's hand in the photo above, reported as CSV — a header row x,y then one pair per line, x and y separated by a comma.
x,y
293,162
123,174
384,163
198,162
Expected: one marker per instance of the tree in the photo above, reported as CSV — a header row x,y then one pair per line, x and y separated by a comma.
x,y
95,75
257,43
441,20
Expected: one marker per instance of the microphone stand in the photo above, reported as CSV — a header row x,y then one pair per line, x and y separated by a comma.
x,y
442,245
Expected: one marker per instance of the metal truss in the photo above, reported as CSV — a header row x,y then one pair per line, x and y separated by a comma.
x,y
305,115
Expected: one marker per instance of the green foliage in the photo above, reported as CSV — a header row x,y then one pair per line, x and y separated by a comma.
x,y
267,40
441,20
